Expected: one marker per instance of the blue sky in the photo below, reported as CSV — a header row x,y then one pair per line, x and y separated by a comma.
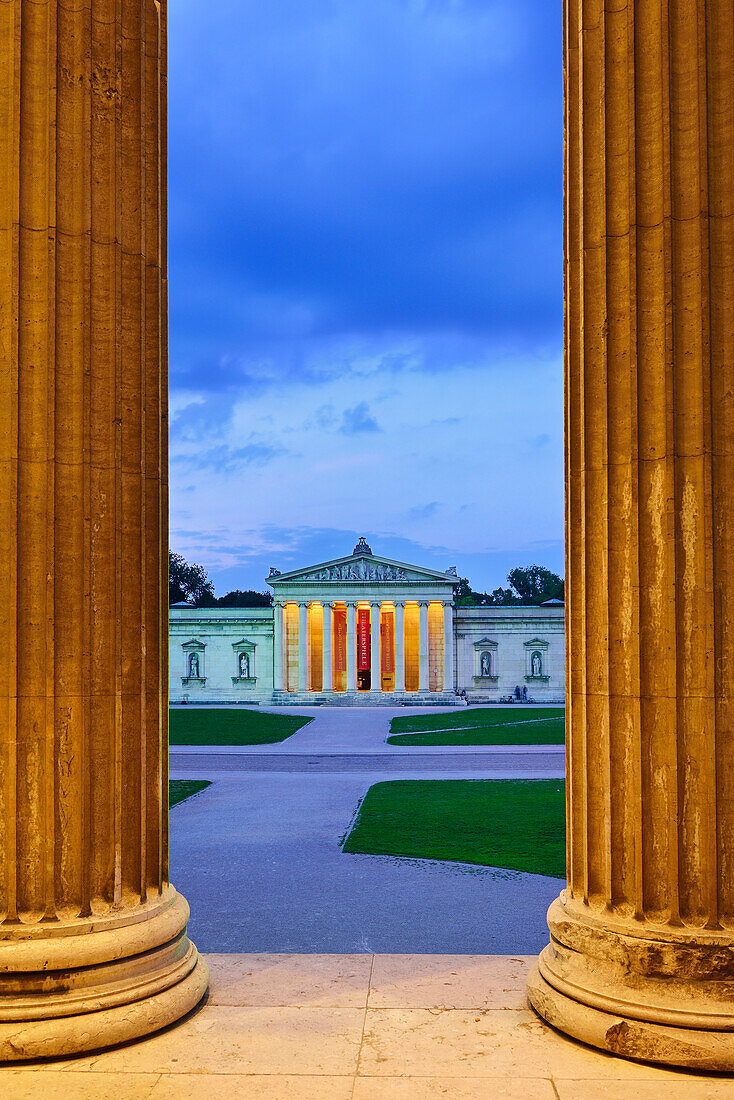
x,y
365,283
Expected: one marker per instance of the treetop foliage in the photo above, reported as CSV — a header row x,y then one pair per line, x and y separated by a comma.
x,y
532,584
192,584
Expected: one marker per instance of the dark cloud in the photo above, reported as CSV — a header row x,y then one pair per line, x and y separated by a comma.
x,y
360,167
358,419
365,198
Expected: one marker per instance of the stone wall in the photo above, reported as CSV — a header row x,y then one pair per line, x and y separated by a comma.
x,y
509,635
218,635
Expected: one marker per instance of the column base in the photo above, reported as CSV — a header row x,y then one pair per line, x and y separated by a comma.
x,y
648,992
635,1039
84,985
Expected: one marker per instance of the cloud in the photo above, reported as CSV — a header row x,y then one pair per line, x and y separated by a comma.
x,y
324,418
424,511
360,167
358,420
227,460
365,281
246,564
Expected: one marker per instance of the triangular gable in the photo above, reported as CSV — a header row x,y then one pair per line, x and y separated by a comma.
x,y
362,567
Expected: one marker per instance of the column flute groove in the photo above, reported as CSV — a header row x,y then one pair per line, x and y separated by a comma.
x,y
87,914
641,937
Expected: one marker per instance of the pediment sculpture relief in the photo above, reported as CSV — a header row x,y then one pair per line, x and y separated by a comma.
x,y
358,571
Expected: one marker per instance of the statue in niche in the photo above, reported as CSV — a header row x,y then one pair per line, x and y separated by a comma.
x,y
244,666
536,664
486,665
194,666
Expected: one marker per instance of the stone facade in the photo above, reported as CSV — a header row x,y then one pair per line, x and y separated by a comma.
x,y
334,624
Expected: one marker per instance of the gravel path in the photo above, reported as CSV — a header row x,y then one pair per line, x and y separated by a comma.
x,y
258,853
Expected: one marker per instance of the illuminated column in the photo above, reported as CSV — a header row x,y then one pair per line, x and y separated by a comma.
x,y
423,646
448,646
351,646
326,675
640,959
278,646
303,677
93,945
399,645
375,658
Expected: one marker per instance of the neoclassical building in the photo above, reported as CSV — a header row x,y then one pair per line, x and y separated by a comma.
x,y
364,629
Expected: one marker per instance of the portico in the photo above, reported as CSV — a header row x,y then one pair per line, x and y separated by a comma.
x,y
363,628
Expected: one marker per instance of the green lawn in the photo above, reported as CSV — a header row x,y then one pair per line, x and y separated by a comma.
x,y
504,726
512,823
180,789
215,726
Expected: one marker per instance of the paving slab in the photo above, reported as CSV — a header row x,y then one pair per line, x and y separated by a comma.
x,y
279,1038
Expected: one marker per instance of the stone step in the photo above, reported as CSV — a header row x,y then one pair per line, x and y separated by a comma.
x,y
365,699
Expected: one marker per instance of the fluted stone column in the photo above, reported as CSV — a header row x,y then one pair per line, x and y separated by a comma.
x,y
277,646
327,683
448,646
93,946
303,677
423,646
375,656
400,645
640,960
351,646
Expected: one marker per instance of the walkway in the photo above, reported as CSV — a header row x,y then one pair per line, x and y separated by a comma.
x,y
259,858
360,1028
359,729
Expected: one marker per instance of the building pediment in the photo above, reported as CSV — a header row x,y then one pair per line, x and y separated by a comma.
x,y
361,568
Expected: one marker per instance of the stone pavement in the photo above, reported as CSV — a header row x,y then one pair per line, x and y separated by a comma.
x,y
360,1027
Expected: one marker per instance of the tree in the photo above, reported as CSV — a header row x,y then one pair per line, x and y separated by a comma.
x,y
499,597
188,583
463,595
534,584
249,598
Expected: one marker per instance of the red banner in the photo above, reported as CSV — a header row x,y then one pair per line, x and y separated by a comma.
x,y
363,638
388,643
340,640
